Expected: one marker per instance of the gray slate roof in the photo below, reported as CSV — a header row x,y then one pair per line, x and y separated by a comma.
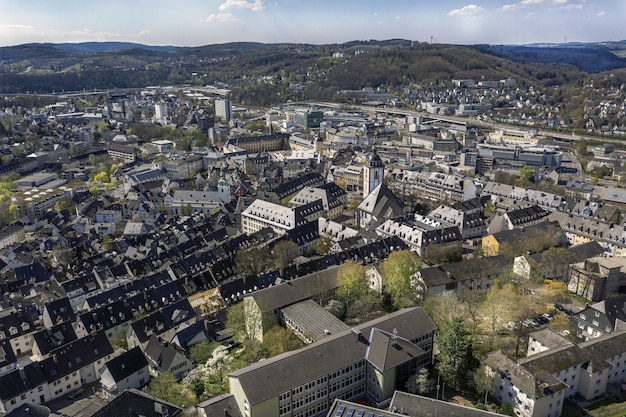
x,y
270,377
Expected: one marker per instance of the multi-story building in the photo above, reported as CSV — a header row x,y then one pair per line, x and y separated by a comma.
x,y
418,232
597,278
537,385
367,362
436,186
333,199
265,143
261,214
224,109
601,318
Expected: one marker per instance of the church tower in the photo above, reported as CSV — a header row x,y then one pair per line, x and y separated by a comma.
x,y
223,187
373,173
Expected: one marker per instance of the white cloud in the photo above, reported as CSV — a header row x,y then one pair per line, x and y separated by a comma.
x,y
221,17
562,4
601,13
470,9
397,17
143,32
16,27
255,5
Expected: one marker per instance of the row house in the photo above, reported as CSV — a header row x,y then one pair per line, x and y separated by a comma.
x,y
109,319
18,329
612,237
161,323
64,370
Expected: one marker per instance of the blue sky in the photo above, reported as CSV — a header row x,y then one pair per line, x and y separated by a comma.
x,y
203,22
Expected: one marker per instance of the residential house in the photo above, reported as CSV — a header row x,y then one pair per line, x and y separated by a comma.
x,y
133,402
166,357
18,328
58,311
46,340
467,215
26,385
79,362
161,323
518,218
436,186
537,386
128,370
604,317
13,233
472,274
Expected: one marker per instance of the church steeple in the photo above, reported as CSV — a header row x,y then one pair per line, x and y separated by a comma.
x,y
223,187
373,174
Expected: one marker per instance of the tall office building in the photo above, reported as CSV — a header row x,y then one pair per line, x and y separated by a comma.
x,y
160,110
224,109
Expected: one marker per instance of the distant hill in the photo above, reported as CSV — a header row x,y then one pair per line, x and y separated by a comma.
x,y
311,70
586,57
101,47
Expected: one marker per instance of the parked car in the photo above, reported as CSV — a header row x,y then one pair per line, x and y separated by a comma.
x,y
75,394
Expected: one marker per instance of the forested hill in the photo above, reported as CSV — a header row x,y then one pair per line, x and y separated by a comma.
x,y
269,73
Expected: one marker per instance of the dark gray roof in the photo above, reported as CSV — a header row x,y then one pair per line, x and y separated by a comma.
x,y
268,378
223,405
418,406
386,351
21,380
133,402
126,364
290,292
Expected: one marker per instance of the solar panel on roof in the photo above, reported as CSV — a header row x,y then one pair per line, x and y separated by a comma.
x,y
350,412
360,413
370,414
340,410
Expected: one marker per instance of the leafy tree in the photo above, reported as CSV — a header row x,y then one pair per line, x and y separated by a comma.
x,y
498,307
560,322
438,254
95,190
284,252
420,382
455,356
166,387
102,177
279,339
118,339
253,261
527,173
323,245
555,292
399,272
186,210
484,381
352,280
336,308
201,352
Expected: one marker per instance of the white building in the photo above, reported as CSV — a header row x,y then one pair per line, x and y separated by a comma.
x,y
224,109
